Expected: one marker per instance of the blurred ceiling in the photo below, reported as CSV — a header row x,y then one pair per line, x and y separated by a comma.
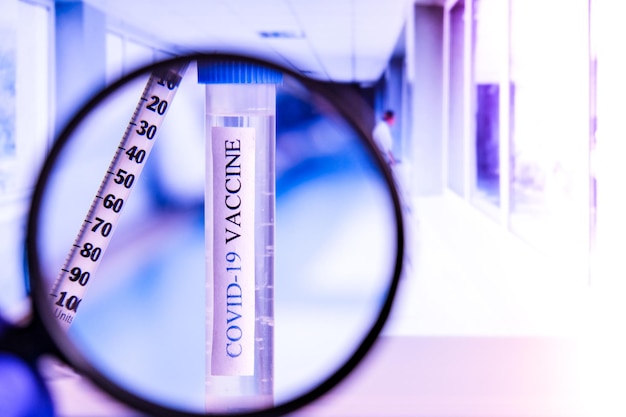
x,y
336,40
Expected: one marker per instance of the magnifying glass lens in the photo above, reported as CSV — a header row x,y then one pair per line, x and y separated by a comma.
x,y
184,200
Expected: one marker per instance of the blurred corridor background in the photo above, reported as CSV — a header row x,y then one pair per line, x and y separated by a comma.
x,y
509,142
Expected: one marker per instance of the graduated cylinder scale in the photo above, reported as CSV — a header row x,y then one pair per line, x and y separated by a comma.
x,y
103,216
239,233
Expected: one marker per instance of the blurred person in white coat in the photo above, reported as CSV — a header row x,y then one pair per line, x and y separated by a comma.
x,y
384,139
382,136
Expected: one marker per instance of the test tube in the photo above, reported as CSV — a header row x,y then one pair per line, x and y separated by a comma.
x,y
239,233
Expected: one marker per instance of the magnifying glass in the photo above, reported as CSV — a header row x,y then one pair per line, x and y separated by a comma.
x,y
236,252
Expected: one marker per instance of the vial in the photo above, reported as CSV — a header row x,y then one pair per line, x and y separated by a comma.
x,y
239,233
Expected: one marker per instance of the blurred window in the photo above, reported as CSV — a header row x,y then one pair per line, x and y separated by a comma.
x,y
488,51
25,133
456,108
550,124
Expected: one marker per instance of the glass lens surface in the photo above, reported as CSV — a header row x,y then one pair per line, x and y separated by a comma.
x,y
146,319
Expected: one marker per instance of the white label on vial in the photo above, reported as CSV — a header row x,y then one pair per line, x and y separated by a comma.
x,y
233,251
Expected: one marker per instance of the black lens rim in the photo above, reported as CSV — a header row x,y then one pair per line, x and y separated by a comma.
x,y
349,104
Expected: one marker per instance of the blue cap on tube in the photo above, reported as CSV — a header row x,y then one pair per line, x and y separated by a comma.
x,y
221,71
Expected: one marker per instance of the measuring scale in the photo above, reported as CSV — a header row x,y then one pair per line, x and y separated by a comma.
x,y
104,214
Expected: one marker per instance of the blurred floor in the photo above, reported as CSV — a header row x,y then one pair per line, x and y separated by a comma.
x,y
468,276
484,325
480,328
413,376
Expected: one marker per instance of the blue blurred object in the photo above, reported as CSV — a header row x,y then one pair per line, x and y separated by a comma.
x,y
22,391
